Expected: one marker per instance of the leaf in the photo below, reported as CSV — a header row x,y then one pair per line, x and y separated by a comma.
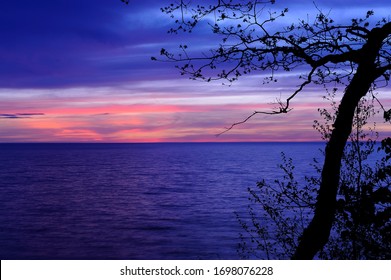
x,y
387,115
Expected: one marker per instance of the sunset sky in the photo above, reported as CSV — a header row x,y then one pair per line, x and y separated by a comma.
x,y
80,71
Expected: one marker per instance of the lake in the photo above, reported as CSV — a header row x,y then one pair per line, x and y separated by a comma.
x,y
133,201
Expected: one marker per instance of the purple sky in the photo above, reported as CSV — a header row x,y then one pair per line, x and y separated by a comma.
x,y
81,71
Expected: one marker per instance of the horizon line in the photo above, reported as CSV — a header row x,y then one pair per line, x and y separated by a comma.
x,y
162,142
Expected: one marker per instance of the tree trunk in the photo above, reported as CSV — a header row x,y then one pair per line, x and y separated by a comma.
x,y
316,235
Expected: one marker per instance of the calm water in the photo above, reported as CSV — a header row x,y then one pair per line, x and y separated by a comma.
x,y
132,201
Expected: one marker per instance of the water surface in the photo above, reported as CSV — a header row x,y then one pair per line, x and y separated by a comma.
x,y
132,201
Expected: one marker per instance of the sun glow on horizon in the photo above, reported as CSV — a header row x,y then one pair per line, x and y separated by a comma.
x,y
122,118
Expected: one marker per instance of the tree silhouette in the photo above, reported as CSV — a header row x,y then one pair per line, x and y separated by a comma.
x,y
361,229
356,56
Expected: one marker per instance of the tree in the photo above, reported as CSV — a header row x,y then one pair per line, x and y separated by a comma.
x,y
362,226
355,56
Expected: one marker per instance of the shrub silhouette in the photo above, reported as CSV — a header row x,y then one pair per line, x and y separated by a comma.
x,y
281,210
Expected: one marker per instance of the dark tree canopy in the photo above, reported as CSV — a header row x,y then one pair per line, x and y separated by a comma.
x,y
354,55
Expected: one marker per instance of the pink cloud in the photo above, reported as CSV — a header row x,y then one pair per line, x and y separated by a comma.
x,y
109,116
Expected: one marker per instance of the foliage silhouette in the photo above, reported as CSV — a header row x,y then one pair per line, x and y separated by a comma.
x,y
354,56
279,211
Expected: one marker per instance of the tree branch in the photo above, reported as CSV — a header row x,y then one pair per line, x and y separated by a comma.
x,y
283,109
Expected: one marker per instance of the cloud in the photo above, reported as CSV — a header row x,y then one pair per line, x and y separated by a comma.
x,y
20,115
91,43
62,43
87,65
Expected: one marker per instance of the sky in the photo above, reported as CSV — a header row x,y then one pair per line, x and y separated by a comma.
x,y
80,71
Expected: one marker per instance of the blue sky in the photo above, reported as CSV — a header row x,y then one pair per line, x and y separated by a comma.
x,y
76,71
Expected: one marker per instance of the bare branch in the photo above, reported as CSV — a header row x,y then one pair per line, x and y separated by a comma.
x,y
282,110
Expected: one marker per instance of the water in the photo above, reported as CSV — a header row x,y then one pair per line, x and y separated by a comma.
x,y
132,201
